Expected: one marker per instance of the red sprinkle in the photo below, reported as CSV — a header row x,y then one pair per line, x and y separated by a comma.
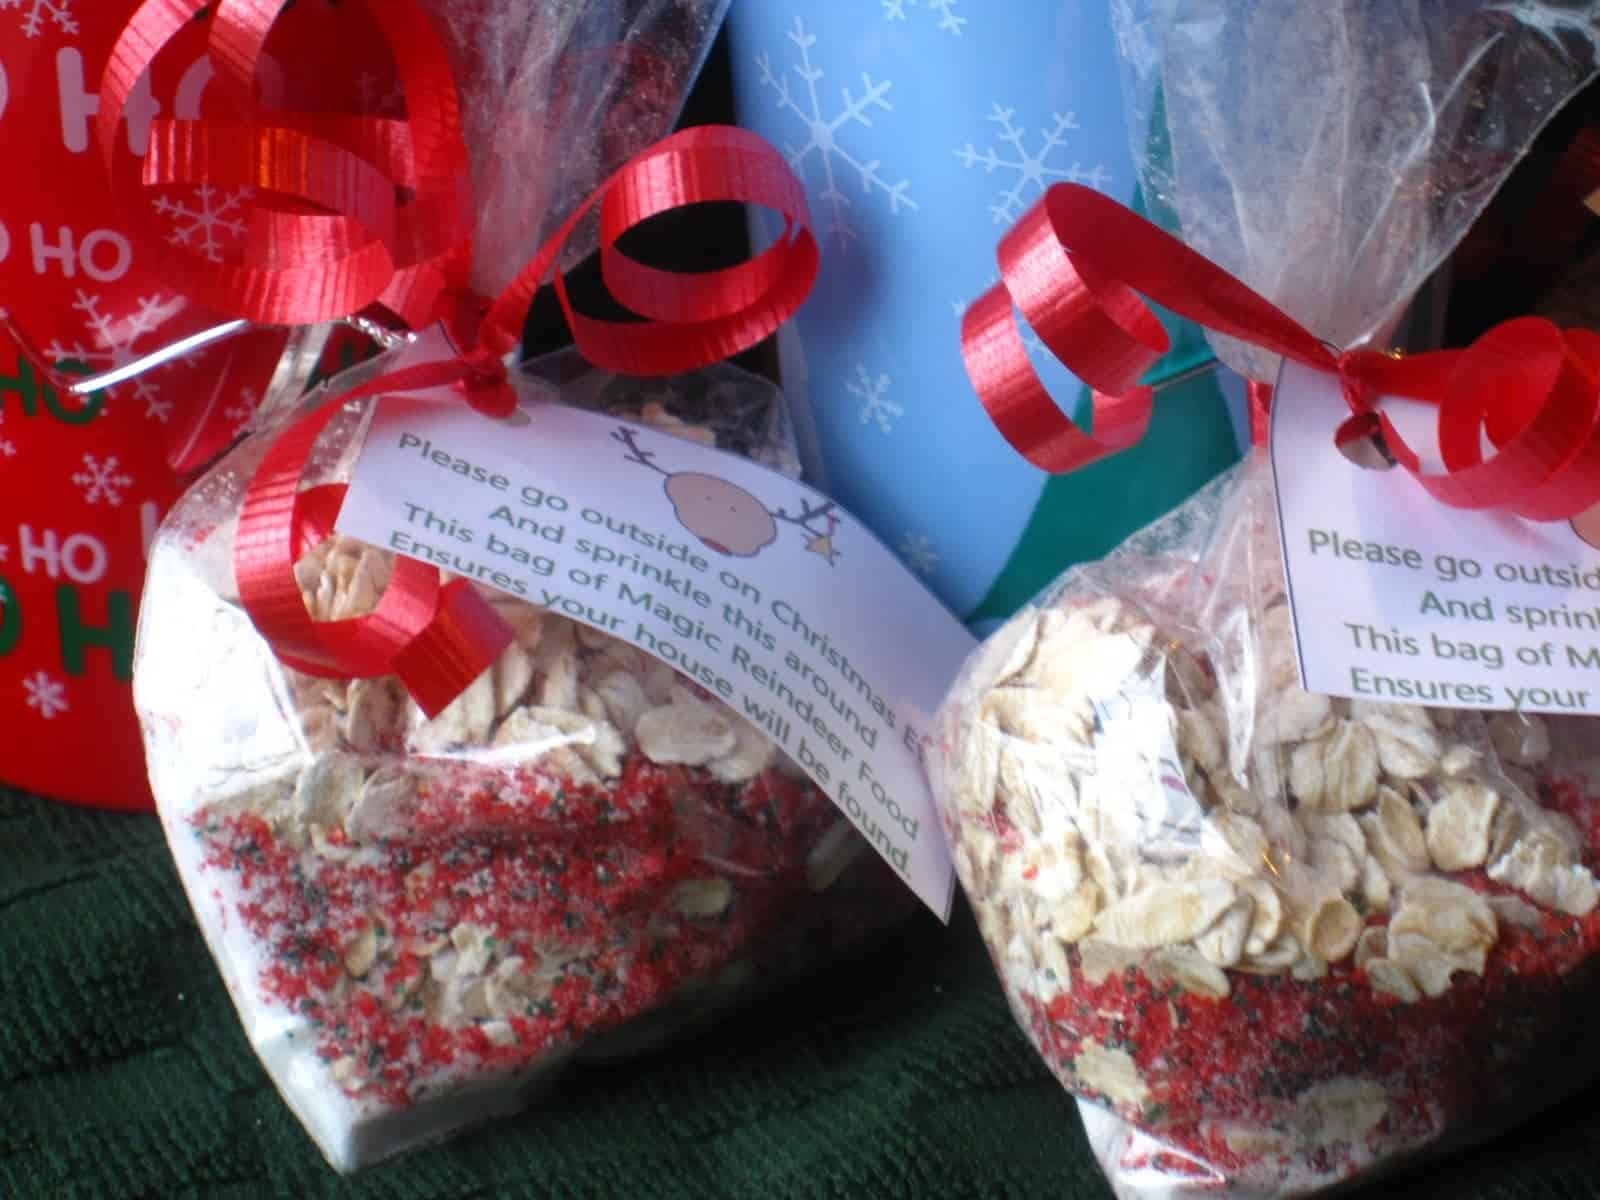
x,y
580,878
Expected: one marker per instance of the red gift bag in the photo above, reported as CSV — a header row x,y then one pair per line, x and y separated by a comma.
x,y
85,287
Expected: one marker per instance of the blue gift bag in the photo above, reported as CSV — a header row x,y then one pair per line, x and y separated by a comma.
x,y
923,129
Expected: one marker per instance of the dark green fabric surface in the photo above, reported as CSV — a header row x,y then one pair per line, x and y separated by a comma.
x,y
123,1074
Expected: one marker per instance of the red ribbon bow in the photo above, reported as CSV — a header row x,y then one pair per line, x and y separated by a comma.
x,y
1076,265
369,211
348,211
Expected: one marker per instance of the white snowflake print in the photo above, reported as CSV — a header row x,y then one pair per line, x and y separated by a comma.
x,y
114,338
873,392
102,480
112,342
823,133
34,13
8,448
46,694
214,219
1032,173
156,406
917,551
949,22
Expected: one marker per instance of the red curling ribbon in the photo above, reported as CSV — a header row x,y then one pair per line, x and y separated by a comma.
x,y
694,320
1258,398
437,640
1076,266
363,210
349,210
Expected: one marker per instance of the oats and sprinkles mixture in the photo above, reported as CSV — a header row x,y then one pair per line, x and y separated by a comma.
x,y
582,856
1287,938
583,839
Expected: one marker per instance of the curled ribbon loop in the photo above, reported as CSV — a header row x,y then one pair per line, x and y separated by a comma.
x,y
1076,266
348,211
436,639
356,211
694,320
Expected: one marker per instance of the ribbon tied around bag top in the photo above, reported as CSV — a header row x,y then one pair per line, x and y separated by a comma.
x,y
1076,267
352,212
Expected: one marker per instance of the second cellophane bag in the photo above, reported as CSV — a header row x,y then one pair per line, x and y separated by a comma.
x,y
1288,940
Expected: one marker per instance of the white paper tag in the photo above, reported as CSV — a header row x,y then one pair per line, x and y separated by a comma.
x,y
1399,598
758,588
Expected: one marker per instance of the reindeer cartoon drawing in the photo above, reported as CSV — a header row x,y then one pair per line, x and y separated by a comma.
x,y
728,519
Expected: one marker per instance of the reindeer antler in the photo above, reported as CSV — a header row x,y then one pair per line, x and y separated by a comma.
x,y
645,458
819,541
808,515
